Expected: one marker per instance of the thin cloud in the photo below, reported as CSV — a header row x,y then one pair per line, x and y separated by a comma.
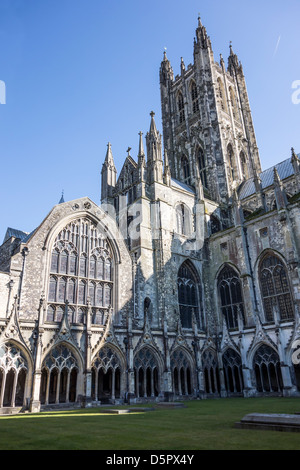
x,y
277,45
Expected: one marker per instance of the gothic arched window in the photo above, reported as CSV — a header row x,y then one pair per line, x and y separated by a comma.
x,y
222,95
180,103
188,295
231,162
80,254
194,95
230,292
275,288
182,220
202,167
185,169
244,166
234,104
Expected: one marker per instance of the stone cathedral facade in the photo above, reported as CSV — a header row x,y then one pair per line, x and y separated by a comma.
x,y
183,283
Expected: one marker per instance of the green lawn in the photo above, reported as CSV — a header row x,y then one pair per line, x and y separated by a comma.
x,y
203,425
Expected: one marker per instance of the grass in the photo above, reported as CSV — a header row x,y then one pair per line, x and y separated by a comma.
x,y
203,425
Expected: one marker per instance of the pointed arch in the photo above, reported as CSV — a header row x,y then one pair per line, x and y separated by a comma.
x,y
189,296
147,372
202,166
230,296
180,105
275,287
183,219
233,373
234,104
266,367
182,366
211,372
194,96
222,95
185,170
244,166
231,163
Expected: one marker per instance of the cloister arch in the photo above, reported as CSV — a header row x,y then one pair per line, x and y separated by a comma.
x,y
108,368
15,374
61,375
147,373
182,372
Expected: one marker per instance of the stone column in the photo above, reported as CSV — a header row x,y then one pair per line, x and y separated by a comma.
x,y
35,404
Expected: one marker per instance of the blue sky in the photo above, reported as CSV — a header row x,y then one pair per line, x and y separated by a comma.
x,y
82,73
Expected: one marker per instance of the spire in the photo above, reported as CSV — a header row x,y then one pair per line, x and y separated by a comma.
x,y
108,175
109,159
141,146
201,39
154,152
233,61
61,201
153,129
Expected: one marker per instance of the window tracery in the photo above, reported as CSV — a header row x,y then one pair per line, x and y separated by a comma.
x,y
230,292
275,289
81,268
194,96
188,296
180,103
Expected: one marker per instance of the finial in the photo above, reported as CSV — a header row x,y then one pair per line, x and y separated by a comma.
x,y
152,114
141,147
62,200
128,151
294,153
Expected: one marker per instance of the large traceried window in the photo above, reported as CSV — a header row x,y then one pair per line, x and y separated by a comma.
x,y
230,292
275,289
188,295
81,269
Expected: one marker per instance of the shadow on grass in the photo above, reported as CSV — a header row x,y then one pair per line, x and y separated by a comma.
x,y
202,425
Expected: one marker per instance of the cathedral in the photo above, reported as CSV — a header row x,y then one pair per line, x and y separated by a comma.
x,y
183,283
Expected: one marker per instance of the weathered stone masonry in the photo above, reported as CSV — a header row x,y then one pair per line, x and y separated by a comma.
x,y
182,283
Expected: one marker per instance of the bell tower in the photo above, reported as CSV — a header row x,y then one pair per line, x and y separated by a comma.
x,y
207,123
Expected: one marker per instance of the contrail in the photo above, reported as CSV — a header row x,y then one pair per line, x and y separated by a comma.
x,y
277,45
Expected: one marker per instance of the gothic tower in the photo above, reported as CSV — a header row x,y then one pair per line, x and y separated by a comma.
x,y
207,123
